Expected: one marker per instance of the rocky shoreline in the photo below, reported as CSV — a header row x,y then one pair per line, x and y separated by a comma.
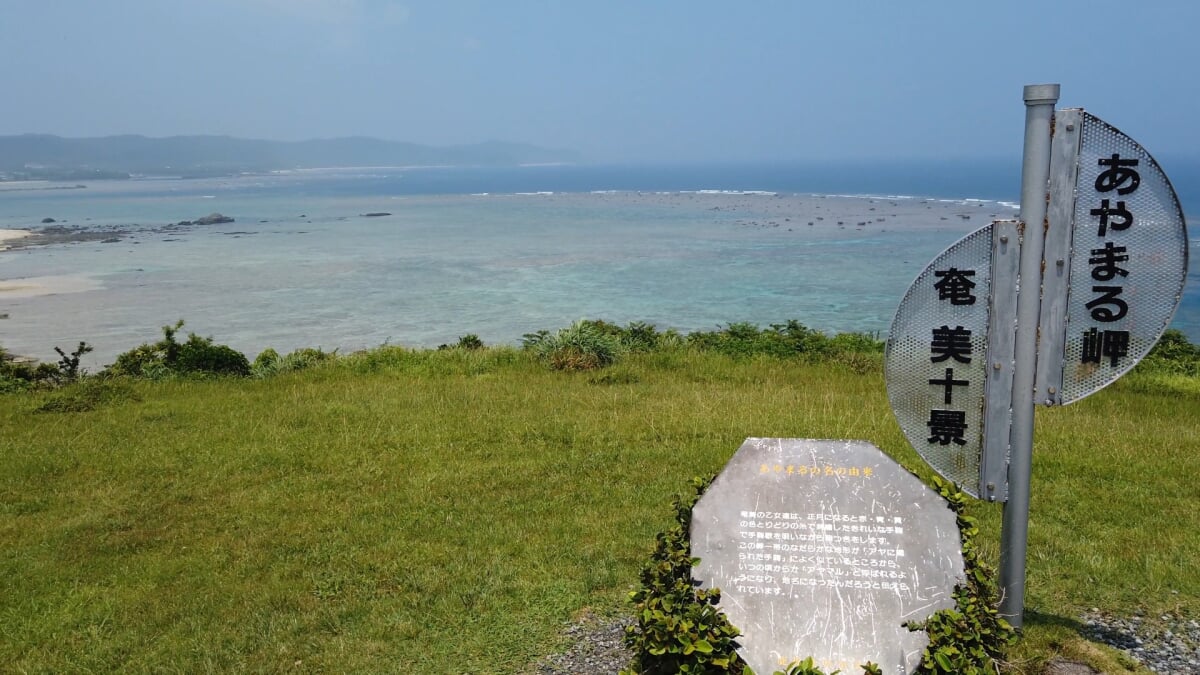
x,y
55,232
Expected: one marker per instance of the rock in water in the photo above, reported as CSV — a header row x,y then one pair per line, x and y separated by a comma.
x,y
213,219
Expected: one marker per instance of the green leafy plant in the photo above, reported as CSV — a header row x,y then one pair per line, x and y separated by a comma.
x,y
678,627
68,364
1172,354
265,364
971,638
21,375
584,345
470,342
269,362
860,351
167,357
808,667
201,355
86,395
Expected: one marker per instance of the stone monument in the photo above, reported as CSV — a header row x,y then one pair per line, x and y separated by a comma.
x,y
823,548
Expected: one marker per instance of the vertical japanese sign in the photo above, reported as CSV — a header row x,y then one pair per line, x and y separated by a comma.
x,y
937,358
1116,259
1096,286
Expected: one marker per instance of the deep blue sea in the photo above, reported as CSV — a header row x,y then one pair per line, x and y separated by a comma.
x,y
495,252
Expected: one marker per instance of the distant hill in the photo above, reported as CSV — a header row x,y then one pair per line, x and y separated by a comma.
x,y
46,156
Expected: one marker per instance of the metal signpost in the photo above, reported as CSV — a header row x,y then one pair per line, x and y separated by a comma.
x,y
1043,310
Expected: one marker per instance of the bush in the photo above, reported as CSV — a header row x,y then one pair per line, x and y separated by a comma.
x,y
86,395
678,626
200,355
68,365
265,363
470,341
168,357
1173,354
584,345
970,639
21,376
269,362
742,340
785,340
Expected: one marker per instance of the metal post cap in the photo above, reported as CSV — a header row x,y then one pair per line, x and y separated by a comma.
x,y
1038,94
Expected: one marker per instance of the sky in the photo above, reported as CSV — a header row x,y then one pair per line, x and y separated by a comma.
x,y
618,81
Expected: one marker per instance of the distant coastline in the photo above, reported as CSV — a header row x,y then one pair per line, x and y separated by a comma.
x,y
46,157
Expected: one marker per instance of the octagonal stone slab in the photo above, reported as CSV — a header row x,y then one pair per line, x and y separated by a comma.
x,y
824,548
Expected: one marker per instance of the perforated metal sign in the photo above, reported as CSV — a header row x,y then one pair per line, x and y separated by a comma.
x,y
1115,258
939,364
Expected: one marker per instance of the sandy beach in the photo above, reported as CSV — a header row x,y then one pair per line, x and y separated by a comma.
x,y
32,287
10,235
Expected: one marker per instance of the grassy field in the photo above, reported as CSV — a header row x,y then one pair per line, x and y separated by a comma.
x,y
447,511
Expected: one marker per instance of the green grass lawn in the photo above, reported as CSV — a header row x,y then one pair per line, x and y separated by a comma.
x,y
447,511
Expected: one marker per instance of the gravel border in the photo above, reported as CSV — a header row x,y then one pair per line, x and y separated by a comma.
x,y
597,648
1169,644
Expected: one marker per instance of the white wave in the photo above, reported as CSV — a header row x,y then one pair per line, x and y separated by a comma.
x,y
762,193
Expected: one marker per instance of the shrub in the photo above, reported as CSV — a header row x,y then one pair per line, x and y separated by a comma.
x,y
789,339
584,345
381,358
167,357
744,339
304,358
265,363
22,375
86,395
269,362
200,355
678,627
470,341
68,365
639,336
1173,354
970,639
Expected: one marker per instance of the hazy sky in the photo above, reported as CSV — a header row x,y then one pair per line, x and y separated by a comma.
x,y
616,80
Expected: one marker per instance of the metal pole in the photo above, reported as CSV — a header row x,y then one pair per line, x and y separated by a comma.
x,y
1035,172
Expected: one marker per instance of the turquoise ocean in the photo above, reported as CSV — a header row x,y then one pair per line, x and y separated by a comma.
x,y
494,252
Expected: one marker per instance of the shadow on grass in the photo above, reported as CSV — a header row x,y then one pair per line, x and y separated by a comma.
x,y
1035,618
1092,631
